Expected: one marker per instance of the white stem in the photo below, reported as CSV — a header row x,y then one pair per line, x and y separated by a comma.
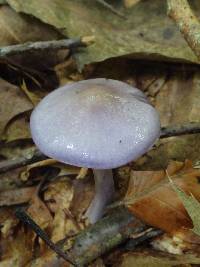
x,y
104,191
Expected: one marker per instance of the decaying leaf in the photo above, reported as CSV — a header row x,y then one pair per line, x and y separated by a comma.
x,y
156,259
192,205
138,34
11,96
130,3
17,250
39,212
59,197
17,128
16,196
34,98
151,197
17,28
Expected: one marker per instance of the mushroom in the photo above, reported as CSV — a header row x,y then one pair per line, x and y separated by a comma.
x,y
98,123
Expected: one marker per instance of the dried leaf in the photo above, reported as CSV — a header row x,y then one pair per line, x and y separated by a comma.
x,y
152,199
192,205
39,212
32,96
11,96
26,172
59,196
156,259
16,196
17,128
17,250
130,3
48,259
18,28
138,35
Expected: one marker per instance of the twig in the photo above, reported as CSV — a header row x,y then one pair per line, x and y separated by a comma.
x,y
40,46
183,129
189,25
106,234
111,8
26,219
8,165
147,234
176,130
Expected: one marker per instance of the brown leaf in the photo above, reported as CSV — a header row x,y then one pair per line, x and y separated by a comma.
x,y
152,198
17,128
16,196
39,212
16,251
152,258
58,197
17,28
130,3
12,102
139,35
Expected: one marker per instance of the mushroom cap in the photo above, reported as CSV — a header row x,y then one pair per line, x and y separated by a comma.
x,y
97,123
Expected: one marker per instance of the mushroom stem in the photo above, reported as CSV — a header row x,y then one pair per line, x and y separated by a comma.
x,y
104,191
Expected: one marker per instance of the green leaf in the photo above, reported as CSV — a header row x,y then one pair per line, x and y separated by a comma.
x,y
145,33
191,204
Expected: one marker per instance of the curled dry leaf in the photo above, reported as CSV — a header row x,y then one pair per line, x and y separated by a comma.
x,y
151,197
25,173
58,197
32,96
17,128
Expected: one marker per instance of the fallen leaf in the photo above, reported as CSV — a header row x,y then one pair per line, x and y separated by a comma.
x,y
24,175
17,128
18,28
8,221
130,3
58,197
48,259
192,205
152,258
136,35
32,96
17,250
11,96
39,212
82,173
16,196
151,197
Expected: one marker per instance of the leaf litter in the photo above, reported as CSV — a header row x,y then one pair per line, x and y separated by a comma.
x,y
59,205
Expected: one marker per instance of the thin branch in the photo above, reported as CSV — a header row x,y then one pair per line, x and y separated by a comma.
x,y
8,165
40,46
169,131
111,8
105,235
26,219
189,25
183,129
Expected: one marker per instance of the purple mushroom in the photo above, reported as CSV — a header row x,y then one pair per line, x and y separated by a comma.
x,y
98,123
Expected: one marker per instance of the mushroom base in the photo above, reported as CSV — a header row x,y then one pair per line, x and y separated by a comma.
x,y
104,191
